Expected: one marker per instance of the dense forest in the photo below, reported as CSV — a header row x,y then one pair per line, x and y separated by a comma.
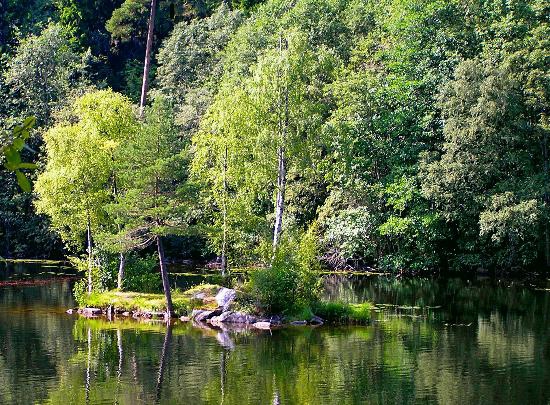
x,y
401,135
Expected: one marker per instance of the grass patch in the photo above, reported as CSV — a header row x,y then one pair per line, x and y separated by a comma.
x,y
182,301
36,261
340,312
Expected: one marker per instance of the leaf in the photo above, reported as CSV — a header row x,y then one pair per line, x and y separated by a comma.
x,y
18,144
29,122
31,166
23,182
13,158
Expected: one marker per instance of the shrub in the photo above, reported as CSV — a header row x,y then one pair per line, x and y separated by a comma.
x,y
102,276
340,312
292,282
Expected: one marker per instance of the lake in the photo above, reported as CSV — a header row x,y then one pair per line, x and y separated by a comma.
x,y
446,341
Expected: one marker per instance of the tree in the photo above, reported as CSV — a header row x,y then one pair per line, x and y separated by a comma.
x,y
42,74
12,153
152,172
268,121
492,177
78,179
191,65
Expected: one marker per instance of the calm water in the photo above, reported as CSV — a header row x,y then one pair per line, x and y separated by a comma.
x,y
446,341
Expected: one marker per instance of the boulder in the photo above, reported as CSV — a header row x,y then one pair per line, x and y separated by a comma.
x,y
239,317
91,312
315,320
185,319
126,313
220,318
200,315
203,316
298,323
265,325
196,312
225,297
155,314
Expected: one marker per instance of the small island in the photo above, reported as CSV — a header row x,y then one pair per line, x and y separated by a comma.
x,y
215,305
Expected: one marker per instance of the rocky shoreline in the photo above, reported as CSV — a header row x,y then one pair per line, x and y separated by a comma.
x,y
218,317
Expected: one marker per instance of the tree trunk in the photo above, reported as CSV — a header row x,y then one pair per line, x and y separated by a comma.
x,y
281,171
163,359
546,198
147,65
224,207
165,281
87,384
280,200
120,278
90,258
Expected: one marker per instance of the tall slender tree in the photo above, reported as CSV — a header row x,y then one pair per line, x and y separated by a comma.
x,y
153,168
147,63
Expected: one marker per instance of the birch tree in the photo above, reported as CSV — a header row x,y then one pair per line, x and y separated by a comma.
x,y
77,181
269,121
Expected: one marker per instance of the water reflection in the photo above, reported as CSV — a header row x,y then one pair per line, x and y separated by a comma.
x,y
446,341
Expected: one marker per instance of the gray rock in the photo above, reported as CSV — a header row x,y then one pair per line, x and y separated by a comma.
x,y
156,315
185,319
262,325
91,311
298,323
315,320
70,311
220,318
201,316
238,317
199,296
196,312
206,315
126,313
225,297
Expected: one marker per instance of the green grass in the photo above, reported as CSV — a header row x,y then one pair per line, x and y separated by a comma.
x,y
36,261
182,301
339,312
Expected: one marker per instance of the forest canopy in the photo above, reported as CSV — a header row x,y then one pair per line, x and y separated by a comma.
x,y
401,135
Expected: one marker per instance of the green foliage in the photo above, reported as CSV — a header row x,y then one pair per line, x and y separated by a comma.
x,y
141,274
492,177
129,20
290,284
190,63
151,170
43,73
339,312
414,133
76,184
12,153
133,301
103,276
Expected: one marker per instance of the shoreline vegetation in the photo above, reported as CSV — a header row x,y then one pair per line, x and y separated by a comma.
x,y
214,305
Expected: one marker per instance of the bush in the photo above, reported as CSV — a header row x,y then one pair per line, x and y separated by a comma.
x,y
140,274
292,282
102,276
339,312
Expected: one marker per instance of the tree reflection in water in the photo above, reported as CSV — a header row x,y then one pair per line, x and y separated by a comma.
x,y
446,341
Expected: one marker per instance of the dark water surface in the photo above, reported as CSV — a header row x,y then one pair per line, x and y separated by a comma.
x,y
436,341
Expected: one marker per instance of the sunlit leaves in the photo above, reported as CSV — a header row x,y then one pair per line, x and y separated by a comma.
x,y
12,153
